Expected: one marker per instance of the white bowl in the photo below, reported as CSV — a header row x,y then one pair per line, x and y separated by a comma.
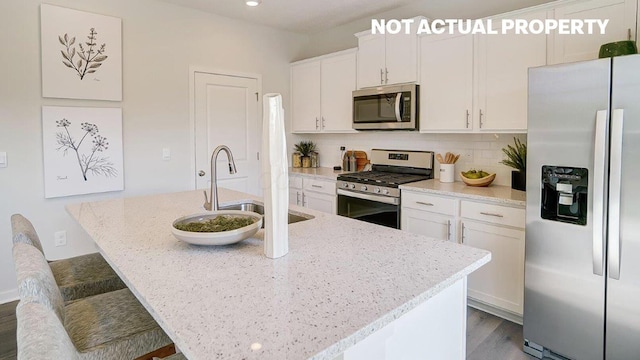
x,y
217,238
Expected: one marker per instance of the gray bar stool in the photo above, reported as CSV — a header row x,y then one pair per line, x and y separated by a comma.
x,y
78,277
112,325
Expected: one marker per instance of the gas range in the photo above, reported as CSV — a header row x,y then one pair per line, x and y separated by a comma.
x,y
374,196
378,182
391,168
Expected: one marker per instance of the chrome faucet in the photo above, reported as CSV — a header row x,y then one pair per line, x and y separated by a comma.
x,y
211,202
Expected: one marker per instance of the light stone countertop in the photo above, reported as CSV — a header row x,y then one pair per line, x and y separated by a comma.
x,y
494,193
342,279
321,172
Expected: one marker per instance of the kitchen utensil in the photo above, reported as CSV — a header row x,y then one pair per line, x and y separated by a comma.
x,y
449,158
353,162
361,160
217,238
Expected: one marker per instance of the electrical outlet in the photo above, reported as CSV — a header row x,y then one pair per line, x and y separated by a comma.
x,y
60,238
342,148
166,154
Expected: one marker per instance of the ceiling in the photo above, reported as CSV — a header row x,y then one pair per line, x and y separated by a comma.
x,y
309,16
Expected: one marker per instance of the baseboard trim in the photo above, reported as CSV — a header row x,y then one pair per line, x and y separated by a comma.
x,y
507,315
9,296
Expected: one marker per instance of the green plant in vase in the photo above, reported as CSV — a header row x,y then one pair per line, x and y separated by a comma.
x,y
305,148
517,159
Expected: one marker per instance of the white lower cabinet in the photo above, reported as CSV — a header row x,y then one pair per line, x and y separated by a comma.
x,y
320,202
500,283
429,224
497,287
315,194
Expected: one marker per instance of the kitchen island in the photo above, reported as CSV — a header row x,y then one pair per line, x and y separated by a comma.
x,y
346,289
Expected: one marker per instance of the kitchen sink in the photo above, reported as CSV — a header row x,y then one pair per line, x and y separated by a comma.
x,y
259,208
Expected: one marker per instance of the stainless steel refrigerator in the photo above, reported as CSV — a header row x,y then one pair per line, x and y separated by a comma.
x,y
582,268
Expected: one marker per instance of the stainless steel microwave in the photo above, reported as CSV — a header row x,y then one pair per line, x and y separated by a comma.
x,y
393,107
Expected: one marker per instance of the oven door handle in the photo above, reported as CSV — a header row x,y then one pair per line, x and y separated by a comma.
x,y
382,199
398,103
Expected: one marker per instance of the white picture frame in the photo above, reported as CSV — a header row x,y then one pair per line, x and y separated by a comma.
x,y
82,150
81,54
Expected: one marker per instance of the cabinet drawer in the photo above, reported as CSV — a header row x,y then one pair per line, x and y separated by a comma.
x,y
295,182
320,186
426,202
496,214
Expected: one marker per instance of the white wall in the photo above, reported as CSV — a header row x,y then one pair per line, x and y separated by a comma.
x,y
160,42
341,37
477,151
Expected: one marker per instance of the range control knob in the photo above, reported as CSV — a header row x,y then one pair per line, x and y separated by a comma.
x,y
385,191
377,190
345,185
353,186
364,188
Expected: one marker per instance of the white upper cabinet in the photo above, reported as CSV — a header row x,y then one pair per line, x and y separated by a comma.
x,y
401,55
305,97
321,93
475,83
503,63
385,59
622,26
338,81
371,60
446,78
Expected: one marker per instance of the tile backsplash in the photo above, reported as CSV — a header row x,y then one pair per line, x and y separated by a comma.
x,y
477,151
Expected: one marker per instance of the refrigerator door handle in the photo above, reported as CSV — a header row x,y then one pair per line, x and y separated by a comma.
x,y
600,153
615,175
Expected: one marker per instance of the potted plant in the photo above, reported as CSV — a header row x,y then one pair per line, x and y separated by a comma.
x,y
517,159
305,148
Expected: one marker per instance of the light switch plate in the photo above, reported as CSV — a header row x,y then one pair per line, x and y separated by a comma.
x,y
3,160
166,154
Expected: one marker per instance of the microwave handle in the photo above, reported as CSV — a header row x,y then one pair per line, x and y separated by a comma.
x,y
398,103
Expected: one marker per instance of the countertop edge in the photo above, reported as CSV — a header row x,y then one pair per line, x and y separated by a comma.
x,y
343,345
324,173
496,200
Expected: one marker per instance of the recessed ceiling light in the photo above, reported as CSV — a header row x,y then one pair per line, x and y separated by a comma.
x,y
253,2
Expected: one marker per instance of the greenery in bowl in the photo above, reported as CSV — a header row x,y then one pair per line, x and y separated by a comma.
x,y
516,156
305,147
217,224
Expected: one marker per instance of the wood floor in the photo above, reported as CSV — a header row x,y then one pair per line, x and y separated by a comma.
x,y
491,337
8,331
488,337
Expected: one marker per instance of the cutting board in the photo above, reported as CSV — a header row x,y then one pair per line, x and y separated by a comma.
x,y
361,158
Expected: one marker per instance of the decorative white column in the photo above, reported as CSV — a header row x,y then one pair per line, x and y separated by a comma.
x,y
275,178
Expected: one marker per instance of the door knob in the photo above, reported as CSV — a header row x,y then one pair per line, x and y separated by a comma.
x,y
201,173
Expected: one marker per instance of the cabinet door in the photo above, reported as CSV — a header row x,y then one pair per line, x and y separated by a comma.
x,y
320,202
295,196
305,97
401,58
338,82
500,282
622,24
371,53
446,83
503,76
429,224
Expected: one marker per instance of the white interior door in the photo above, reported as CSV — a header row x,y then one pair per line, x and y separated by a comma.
x,y
226,113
